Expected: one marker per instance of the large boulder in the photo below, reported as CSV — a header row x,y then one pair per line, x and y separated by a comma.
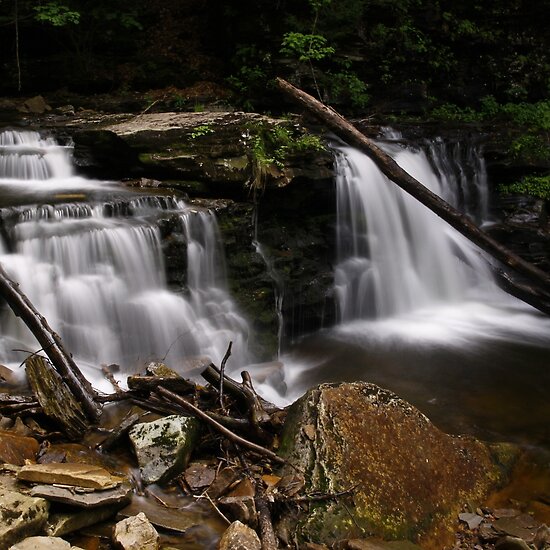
x,y
408,479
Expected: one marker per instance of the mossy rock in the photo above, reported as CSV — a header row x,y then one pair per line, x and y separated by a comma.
x,y
409,479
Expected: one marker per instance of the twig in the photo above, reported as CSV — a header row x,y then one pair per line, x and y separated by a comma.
x,y
267,533
222,515
32,353
217,426
222,371
110,377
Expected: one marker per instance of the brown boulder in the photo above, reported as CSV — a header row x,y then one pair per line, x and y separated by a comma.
x,y
408,479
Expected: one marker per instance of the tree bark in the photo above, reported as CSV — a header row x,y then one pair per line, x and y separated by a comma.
x,y
56,399
345,130
51,344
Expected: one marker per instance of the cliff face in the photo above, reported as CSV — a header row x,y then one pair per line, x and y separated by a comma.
x,y
273,193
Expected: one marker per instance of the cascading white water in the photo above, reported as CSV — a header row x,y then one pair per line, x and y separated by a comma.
x,y
420,313
394,255
95,270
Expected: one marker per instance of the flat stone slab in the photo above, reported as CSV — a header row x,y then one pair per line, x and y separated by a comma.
x,y
174,518
20,516
84,498
76,475
163,447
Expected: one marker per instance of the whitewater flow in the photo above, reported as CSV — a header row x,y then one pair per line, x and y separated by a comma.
x,y
394,255
407,283
95,270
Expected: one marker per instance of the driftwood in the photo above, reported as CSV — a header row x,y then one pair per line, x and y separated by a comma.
x,y
234,438
11,404
540,281
259,408
151,383
267,533
57,401
51,344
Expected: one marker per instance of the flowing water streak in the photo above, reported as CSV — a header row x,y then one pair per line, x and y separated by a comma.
x,y
420,313
278,282
95,270
394,255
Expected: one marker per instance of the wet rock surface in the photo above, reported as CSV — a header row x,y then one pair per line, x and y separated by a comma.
x,y
406,477
44,543
502,529
163,447
85,499
20,516
136,533
15,449
239,537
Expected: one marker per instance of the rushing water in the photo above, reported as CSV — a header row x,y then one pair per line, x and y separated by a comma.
x,y
419,310
95,269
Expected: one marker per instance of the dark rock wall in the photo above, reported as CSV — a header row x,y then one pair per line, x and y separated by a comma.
x,y
289,209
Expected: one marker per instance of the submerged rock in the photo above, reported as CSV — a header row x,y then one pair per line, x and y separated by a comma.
x,y
64,523
20,516
163,447
407,479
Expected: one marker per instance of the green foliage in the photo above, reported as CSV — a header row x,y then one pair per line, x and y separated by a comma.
x,y
252,73
201,130
531,147
56,14
347,86
531,115
306,47
274,144
535,186
453,113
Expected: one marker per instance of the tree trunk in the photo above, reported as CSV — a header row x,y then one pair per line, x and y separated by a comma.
x,y
51,344
539,280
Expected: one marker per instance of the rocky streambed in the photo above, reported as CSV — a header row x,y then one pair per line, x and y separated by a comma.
x,y
150,476
362,468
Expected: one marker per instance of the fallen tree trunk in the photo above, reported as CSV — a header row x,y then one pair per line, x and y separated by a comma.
x,y
345,130
51,344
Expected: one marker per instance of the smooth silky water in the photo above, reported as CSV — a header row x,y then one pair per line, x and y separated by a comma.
x,y
88,255
419,311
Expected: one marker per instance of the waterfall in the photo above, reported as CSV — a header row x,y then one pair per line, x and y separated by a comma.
x,y
395,255
95,269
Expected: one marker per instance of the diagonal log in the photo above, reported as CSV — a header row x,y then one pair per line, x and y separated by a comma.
x,y
51,344
351,135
